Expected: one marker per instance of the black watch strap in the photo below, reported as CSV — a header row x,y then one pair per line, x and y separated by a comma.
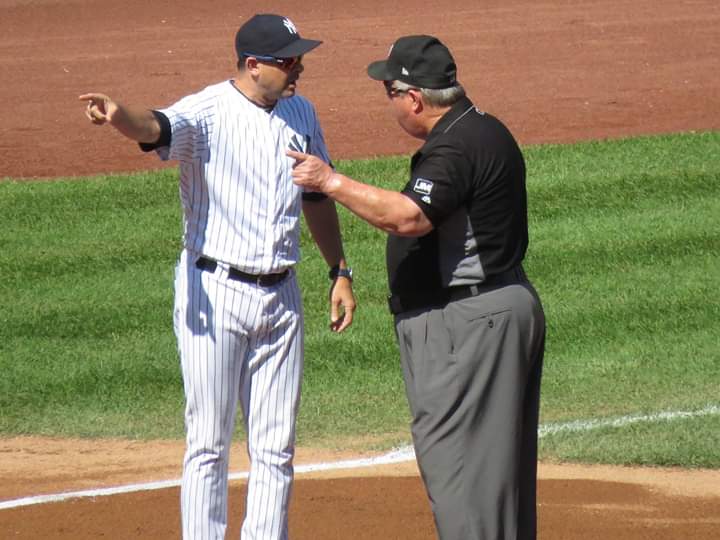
x,y
336,272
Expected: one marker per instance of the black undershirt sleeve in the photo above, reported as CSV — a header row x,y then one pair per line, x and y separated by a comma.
x,y
165,134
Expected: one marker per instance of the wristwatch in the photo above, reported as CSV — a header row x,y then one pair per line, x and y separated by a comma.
x,y
336,272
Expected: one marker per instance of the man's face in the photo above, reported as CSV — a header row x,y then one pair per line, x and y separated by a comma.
x,y
278,76
403,106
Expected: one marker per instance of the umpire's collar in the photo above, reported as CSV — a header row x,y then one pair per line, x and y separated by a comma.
x,y
448,120
445,124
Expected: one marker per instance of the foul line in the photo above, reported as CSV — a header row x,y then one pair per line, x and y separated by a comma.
x,y
399,455
587,425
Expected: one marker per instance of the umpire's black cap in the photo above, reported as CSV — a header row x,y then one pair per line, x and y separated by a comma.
x,y
267,34
421,61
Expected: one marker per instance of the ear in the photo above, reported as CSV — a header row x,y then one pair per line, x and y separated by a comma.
x,y
249,64
417,101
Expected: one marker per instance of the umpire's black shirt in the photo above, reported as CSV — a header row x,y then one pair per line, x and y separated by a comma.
x,y
469,180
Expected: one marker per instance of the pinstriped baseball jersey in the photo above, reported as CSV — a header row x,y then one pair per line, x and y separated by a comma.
x,y
240,204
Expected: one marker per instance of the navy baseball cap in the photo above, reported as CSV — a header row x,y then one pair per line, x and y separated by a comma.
x,y
267,34
421,61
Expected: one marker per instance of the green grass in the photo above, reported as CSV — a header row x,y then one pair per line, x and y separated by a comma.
x,y
624,251
664,443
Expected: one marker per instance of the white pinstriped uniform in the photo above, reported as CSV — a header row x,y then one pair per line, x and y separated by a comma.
x,y
239,341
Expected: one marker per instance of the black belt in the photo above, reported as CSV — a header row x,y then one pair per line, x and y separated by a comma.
x,y
400,302
263,280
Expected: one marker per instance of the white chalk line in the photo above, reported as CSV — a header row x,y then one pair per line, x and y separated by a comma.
x,y
399,455
587,425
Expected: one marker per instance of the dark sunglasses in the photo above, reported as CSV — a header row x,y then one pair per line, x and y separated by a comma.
x,y
284,63
391,91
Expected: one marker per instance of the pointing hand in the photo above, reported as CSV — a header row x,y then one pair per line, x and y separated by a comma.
x,y
310,172
100,108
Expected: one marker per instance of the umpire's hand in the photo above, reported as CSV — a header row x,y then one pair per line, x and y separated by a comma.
x,y
310,172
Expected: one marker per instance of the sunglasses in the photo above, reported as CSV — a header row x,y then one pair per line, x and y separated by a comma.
x,y
391,91
283,63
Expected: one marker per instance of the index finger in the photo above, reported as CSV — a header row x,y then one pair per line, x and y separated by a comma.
x,y
92,97
299,156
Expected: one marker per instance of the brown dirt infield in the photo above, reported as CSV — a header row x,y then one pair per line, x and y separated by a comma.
x,y
384,502
556,71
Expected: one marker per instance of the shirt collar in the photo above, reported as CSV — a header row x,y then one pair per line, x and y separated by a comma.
x,y
459,108
266,108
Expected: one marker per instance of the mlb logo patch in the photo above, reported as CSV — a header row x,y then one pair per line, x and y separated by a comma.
x,y
423,186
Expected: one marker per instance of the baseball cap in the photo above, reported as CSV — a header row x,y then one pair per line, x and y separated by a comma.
x,y
266,34
421,61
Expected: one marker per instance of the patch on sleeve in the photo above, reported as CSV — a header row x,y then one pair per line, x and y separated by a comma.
x,y
423,186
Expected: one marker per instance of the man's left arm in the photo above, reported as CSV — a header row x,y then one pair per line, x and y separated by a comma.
x,y
322,220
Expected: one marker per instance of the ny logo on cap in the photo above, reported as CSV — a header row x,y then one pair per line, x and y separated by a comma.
x,y
290,26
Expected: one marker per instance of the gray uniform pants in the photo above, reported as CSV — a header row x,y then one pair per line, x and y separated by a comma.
x,y
472,374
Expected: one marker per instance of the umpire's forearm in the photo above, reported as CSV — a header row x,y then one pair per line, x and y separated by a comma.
x,y
322,221
391,211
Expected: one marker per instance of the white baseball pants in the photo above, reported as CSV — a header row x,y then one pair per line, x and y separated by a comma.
x,y
237,341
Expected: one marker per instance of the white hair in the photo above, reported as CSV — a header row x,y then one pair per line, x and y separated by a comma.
x,y
435,97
